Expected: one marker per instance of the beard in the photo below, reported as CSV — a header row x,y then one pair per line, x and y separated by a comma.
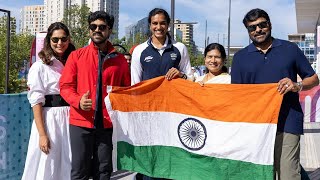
x,y
98,38
259,41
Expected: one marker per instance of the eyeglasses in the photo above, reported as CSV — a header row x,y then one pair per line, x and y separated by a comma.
x,y
261,25
102,27
56,39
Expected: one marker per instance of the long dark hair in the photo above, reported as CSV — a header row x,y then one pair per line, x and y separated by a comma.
x,y
222,51
156,11
47,52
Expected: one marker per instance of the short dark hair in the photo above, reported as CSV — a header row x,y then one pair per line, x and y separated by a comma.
x,y
109,19
156,11
253,15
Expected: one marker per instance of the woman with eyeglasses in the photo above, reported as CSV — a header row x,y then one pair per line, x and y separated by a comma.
x,y
49,154
216,72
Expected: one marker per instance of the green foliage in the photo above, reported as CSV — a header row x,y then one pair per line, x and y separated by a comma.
x,y
128,43
20,45
229,62
196,58
76,18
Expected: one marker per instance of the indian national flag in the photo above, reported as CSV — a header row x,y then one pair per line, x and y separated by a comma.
x,y
179,130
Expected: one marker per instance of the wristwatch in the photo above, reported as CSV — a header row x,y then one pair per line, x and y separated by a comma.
x,y
300,85
184,76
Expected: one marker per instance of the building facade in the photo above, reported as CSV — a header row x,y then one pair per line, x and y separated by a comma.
x,y
55,9
32,19
306,43
140,28
187,31
308,21
13,23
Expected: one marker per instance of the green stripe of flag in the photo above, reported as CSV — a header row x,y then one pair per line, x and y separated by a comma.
x,y
176,163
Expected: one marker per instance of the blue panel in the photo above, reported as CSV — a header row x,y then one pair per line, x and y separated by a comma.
x,y
15,124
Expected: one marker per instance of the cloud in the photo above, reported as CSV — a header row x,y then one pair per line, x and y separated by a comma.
x,y
216,14
282,14
124,21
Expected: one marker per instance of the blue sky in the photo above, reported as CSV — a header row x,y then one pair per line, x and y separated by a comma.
x,y
282,14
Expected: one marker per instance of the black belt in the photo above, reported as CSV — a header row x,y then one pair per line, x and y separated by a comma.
x,y
55,100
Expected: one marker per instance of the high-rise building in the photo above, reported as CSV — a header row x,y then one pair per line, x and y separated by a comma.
x,y
139,28
13,25
187,32
55,9
32,19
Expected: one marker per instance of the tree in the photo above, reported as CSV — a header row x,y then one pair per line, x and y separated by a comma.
x,y
76,18
20,45
196,58
128,43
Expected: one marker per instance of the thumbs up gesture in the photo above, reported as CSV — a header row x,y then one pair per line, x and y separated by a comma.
x,y
85,102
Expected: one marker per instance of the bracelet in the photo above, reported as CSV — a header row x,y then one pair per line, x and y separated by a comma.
x,y
300,85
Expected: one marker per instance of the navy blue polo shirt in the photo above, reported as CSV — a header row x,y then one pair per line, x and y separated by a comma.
x,y
283,59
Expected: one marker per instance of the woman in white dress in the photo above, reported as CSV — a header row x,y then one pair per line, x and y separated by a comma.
x,y
49,155
216,72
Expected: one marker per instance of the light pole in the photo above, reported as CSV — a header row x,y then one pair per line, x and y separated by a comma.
x,y
172,19
229,29
7,50
205,36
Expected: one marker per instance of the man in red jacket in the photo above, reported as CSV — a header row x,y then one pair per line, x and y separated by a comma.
x,y
83,84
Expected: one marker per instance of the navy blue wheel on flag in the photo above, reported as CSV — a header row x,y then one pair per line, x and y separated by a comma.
x,y
192,134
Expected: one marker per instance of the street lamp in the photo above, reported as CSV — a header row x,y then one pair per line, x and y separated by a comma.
x,y
7,50
172,17
229,30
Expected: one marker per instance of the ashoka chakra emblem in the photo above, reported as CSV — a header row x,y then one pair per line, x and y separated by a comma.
x,y
192,134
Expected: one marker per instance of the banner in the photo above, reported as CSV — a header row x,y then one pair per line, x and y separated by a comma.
x,y
179,130
15,124
310,104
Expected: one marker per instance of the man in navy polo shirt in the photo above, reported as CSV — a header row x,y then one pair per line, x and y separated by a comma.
x,y
270,60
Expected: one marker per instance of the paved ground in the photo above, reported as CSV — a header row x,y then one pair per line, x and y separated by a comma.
x,y
123,175
310,150
310,154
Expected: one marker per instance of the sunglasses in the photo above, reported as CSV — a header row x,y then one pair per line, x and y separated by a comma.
x,y
56,39
102,27
261,25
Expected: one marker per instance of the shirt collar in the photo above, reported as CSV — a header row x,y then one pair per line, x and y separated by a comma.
x,y
275,43
167,44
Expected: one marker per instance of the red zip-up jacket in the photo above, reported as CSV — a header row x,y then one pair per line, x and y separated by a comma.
x,y
80,74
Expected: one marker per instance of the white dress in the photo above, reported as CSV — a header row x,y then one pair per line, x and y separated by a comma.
x,y
44,80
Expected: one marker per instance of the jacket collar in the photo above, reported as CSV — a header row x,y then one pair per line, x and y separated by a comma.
x,y
109,46
168,43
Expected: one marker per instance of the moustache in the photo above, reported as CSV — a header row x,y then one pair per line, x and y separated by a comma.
x,y
97,33
259,33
